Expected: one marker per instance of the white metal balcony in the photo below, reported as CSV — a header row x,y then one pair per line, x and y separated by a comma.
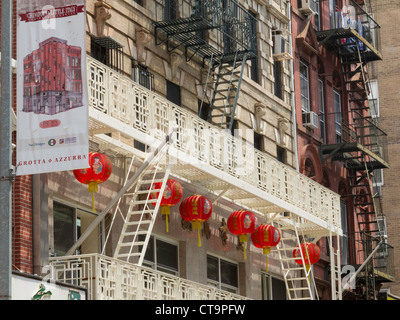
x,y
112,279
204,154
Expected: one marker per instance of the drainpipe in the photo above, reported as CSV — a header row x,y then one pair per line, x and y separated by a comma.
x,y
292,88
5,150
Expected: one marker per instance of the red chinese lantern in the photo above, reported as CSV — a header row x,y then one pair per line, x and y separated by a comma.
x,y
100,168
171,196
196,209
241,223
266,237
311,254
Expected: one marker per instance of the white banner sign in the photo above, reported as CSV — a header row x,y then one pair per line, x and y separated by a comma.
x,y
52,107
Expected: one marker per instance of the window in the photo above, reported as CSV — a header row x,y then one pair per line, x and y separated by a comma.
x,y
321,109
173,93
170,10
278,78
203,110
317,18
281,154
161,255
277,67
378,182
107,51
258,141
338,115
141,75
304,87
254,62
345,240
272,288
139,2
69,223
230,9
373,98
222,274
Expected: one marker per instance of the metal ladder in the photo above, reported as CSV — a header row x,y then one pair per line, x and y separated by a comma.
x,y
139,220
298,279
336,270
226,88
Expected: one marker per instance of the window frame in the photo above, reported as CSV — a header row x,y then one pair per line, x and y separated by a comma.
x,y
267,289
79,214
218,283
172,96
155,264
321,95
254,68
305,84
344,243
338,115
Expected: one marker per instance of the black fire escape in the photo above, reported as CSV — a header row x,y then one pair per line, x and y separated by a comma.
x,y
360,145
219,32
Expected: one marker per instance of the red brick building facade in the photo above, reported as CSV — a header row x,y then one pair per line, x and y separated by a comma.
x,y
52,78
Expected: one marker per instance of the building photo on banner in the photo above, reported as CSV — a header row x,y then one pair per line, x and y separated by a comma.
x,y
52,104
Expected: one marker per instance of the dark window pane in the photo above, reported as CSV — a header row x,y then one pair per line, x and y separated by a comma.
x,y
278,289
173,93
280,154
167,255
229,273
63,228
258,140
212,268
149,255
203,112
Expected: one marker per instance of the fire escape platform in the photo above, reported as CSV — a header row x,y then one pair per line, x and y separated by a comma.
x,y
330,37
181,33
120,111
343,152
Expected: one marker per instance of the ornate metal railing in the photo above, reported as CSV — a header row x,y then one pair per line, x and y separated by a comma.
x,y
112,279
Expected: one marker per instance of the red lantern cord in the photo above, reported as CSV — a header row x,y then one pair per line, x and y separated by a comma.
x,y
100,169
241,223
196,209
265,237
171,196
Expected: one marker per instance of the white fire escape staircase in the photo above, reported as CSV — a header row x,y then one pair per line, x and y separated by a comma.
x,y
139,221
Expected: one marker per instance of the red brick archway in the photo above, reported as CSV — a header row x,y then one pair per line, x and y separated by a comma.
x,y
310,164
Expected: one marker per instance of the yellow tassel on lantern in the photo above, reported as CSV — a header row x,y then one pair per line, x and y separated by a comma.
x,y
92,188
243,239
266,252
165,210
307,271
197,226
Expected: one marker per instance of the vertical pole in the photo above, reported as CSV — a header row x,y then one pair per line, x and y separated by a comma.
x,y
5,150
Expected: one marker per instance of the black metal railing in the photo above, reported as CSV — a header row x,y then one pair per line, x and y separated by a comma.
x,y
233,24
382,260
357,129
141,75
350,16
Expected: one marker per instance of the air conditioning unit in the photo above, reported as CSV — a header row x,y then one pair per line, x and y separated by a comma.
x,y
281,46
279,42
308,7
310,120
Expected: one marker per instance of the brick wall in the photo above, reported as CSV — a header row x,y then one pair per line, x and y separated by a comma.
x,y
386,13
21,206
